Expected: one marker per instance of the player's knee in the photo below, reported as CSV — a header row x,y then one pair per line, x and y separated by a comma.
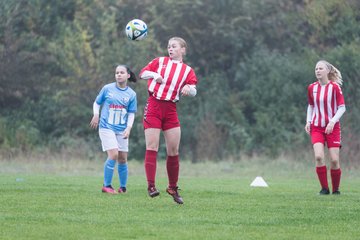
x,y
122,159
172,151
319,158
334,163
113,156
152,148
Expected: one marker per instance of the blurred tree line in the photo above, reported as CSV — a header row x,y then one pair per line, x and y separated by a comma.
x,y
253,58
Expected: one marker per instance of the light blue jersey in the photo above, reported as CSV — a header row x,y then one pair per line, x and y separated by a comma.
x,y
116,104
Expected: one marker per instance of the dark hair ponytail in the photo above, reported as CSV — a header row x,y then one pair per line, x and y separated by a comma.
x,y
132,77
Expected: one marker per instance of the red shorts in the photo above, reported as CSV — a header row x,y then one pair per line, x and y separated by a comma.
x,y
160,114
333,139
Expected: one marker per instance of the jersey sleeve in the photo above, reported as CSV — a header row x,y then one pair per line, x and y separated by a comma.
x,y
191,78
151,66
133,104
339,95
310,96
101,96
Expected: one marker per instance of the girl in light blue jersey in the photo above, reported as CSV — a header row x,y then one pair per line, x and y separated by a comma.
x,y
118,107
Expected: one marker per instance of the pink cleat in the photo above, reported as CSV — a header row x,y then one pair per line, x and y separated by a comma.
x,y
108,189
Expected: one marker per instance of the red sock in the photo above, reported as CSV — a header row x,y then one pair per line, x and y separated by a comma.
x,y
335,178
150,166
322,175
173,166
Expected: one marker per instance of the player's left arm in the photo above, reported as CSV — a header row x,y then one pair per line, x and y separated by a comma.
x,y
132,108
130,122
339,111
189,89
341,105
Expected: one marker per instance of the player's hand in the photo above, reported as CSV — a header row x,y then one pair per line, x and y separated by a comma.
x,y
307,128
329,128
126,132
159,80
185,91
94,122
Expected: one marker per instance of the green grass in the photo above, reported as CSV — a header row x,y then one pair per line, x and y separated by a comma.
x,y
57,201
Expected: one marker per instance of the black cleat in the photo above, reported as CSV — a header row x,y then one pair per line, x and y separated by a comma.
x,y
324,191
153,192
337,192
174,193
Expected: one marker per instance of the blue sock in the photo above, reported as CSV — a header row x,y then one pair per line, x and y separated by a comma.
x,y
123,174
108,171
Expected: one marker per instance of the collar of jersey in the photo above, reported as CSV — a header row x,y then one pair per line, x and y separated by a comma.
x,y
176,61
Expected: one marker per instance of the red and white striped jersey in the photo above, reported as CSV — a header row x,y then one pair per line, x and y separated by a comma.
x,y
175,75
325,100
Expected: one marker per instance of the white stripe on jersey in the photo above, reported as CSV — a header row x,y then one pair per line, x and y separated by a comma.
x,y
322,109
329,98
166,75
172,86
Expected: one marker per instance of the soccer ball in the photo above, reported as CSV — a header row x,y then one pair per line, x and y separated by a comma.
x,y
136,29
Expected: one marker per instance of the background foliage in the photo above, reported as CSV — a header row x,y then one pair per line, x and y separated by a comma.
x,y
253,59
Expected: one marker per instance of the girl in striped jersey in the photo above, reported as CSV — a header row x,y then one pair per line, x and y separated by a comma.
x,y
168,78
326,106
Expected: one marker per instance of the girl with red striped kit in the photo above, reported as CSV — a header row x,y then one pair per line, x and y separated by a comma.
x,y
325,108
168,78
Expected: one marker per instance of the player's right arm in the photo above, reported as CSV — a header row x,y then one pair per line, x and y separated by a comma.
x,y
94,123
151,75
149,71
309,113
310,110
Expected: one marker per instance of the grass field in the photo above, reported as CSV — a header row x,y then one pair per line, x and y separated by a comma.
x,y
62,200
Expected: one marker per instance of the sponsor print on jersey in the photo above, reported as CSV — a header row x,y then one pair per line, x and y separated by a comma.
x,y
117,114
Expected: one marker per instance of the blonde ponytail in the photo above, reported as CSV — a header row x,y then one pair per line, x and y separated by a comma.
x,y
334,73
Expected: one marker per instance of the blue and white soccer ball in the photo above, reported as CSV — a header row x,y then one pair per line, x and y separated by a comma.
x,y
136,29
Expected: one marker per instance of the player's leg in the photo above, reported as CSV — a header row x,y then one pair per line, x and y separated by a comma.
x,y
109,144
172,139
334,144
152,125
152,138
123,171
335,170
109,166
321,169
123,148
318,140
